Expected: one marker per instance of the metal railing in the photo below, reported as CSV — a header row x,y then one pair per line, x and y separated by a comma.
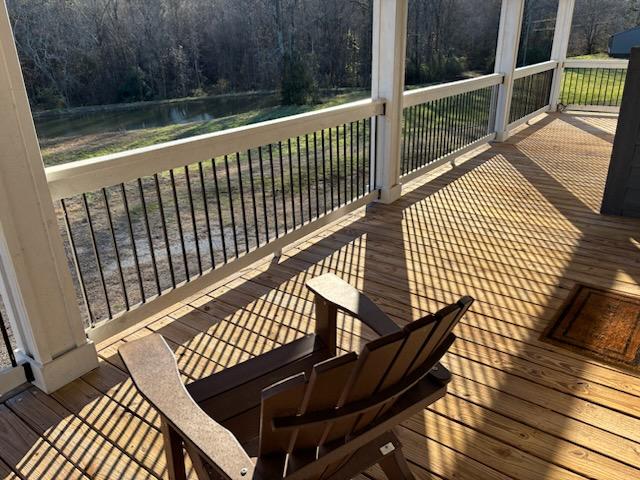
x,y
148,227
593,83
443,120
531,91
134,240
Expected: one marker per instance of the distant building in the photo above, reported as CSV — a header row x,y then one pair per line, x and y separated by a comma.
x,y
620,44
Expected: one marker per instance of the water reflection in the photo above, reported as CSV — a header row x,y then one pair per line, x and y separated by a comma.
x,y
148,115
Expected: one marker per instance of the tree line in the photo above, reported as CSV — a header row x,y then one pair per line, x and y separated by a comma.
x,y
93,52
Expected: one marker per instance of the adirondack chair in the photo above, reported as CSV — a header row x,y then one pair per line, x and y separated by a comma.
x,y
299,411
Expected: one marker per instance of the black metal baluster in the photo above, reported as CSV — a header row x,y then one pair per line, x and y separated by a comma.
x,y
306,150
409,139
273,191
372,146
219,208
147,225
164,231
423,135
456,121
445,127
344,162
133,242
97,254
419,122
291,184
300,180
366,158
81,281
324,174
233,215
315,164
253,198
358,158
243,209
282,183
330,166
576,76
414,140
179,222
116,249
426,134
193,219
264,196
205,203
602,98
338,163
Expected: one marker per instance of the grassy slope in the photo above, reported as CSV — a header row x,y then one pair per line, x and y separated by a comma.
x,y
63,150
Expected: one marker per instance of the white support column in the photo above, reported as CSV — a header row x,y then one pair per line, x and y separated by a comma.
x,y
506,59
387,82
561,36
35,281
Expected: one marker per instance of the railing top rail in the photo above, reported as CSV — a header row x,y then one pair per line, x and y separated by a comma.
x,y
534,69
436,92
613,64
92,174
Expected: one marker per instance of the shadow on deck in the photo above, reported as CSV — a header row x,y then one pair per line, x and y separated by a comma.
x,y
516,226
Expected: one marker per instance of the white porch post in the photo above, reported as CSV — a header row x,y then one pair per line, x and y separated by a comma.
x,y
35,282
387,82
561,37
506,59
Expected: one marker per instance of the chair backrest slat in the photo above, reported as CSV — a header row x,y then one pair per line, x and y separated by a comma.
x,y
372,365
417,334
282,398
446,320
326,384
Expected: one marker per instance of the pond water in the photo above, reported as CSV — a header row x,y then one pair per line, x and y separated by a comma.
x,y
148,115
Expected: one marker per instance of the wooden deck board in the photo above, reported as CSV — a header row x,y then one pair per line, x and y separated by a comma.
x,y
515,225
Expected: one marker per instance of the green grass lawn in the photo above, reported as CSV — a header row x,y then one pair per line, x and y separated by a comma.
x,y
63,150
591,86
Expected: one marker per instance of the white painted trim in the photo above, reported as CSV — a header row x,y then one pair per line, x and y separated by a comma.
x,y
437,92
592,108
509,31
108,328
612,64
35,281
526,118
418,172
561,36
55,374
534,69
11,378
88,175
389,46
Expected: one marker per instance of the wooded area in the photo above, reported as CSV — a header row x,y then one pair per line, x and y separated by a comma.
x,y
92,52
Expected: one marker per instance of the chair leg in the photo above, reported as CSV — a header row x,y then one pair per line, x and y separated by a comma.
x,y
174,453
394,465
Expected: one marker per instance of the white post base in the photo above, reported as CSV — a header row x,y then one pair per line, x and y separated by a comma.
x,y
64,369
502,136
390,195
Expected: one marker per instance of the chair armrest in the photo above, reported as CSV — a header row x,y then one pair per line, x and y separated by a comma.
x,y
335,291
154,371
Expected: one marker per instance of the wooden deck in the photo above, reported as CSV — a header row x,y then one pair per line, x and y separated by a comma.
x,y
516,226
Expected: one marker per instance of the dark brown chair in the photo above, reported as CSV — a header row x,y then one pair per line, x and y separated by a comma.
x,y
299,411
